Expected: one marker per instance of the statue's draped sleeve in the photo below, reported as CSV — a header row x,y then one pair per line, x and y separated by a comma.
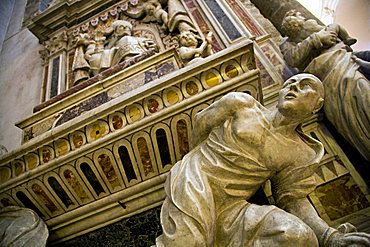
x,y
300,55
177,15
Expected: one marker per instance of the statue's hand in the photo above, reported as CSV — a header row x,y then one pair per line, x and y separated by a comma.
x,y
358,239
327,38
347,235
209,37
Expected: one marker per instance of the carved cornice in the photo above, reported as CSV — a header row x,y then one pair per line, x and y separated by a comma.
x,y
65,14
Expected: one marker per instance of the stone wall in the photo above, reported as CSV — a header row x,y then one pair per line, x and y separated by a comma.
x,y
20,76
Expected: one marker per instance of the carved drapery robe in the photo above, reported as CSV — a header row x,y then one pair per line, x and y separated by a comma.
x,y
129,46
208,190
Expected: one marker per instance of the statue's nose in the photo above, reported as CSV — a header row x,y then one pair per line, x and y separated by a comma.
x,y
294,86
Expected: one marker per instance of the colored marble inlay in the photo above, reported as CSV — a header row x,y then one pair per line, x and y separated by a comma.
x,y
341,197
78,140
223,19
28,203
54,77
117,122
127,164
83,107
192,88
212,79
134,114
18,168
76,186
164,150
44,198
249,23
97,131
182,135
231,71
273,58
70,70
107,167
204,27
93,180
172,97
5,174
153,105
62,147
32,161
60,191
145,156
46,155
266,78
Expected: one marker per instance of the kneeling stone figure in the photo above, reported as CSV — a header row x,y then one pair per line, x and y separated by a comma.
x,y
238,144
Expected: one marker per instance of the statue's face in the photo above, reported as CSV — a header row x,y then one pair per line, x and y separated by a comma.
x,y
297,21
300,96
188,39
122,30
150,9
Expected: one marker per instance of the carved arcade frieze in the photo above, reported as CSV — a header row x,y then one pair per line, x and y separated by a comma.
x,y
118,153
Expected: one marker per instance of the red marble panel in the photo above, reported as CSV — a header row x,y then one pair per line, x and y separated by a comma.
x,y
248,21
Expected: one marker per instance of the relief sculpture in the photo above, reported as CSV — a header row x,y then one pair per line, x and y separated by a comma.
x,y
103,53
113,41
189,51
237,146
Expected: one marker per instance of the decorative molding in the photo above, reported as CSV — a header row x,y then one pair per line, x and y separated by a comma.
x,y
111,162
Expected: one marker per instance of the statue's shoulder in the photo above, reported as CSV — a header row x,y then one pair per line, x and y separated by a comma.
x,y
286,42
239,99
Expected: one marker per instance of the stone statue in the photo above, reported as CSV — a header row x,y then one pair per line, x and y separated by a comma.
x,y
189,51
298,28
80,67
124,45
3,150
95,55
325,52
155,13
21,227
178,17
99,58
237,145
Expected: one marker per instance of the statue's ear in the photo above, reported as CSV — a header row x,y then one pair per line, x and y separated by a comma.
x,y
319,104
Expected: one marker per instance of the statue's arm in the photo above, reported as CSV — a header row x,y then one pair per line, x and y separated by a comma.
x,y
304,210
217,113
326,235
187,53
297,54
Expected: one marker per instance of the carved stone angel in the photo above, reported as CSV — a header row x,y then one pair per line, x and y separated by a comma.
x,y
189,51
